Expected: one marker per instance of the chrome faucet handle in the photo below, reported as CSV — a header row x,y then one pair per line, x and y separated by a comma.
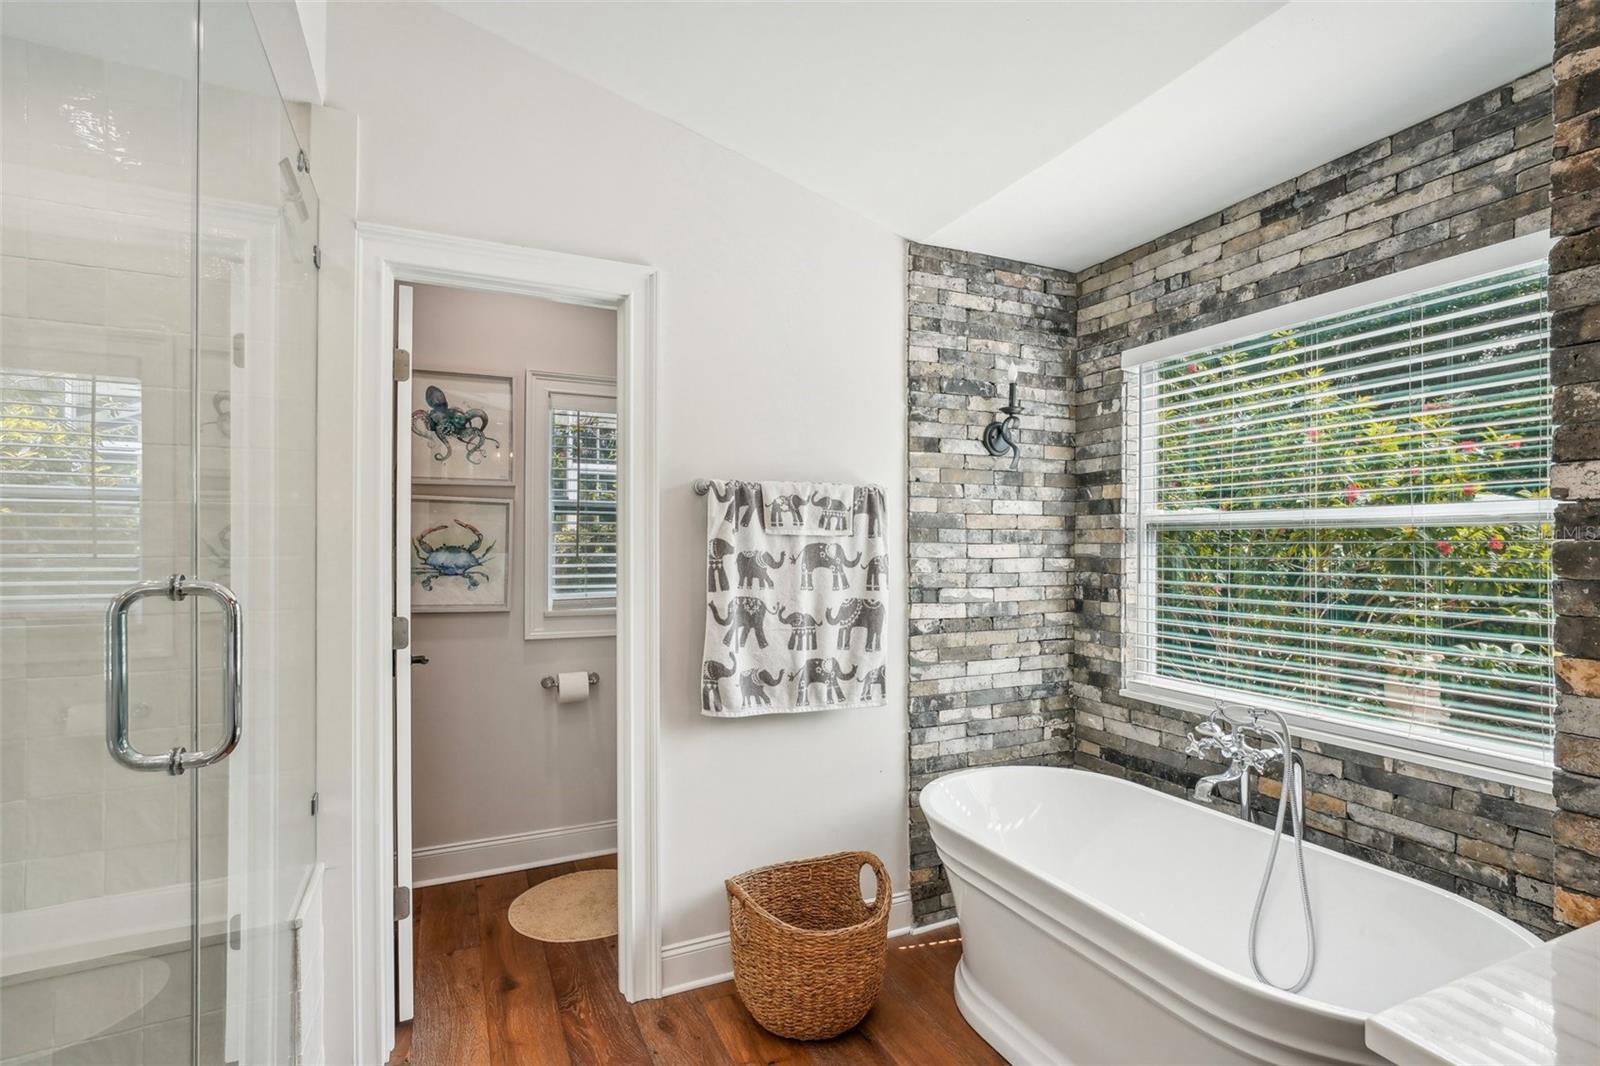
x,y
1257,759
1209,737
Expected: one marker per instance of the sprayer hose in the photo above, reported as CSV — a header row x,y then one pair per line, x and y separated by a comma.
x,y
1291,797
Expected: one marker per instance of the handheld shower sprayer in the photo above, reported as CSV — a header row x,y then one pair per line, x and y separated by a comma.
x,y
1225,733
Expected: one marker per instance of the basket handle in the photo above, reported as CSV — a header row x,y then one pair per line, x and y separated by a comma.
x,y
880,902
738,901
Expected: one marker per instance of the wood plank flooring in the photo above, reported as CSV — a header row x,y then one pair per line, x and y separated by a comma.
x,y
489,996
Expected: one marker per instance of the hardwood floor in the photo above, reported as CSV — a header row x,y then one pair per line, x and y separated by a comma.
x,y
488,996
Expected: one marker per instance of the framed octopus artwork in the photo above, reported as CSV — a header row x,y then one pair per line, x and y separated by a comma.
x,y
460,554
460,428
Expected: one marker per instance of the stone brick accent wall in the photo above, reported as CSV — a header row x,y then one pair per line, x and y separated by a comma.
x,y
1472,176
1575,304
990,571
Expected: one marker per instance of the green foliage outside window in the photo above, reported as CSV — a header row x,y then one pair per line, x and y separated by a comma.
x,y
583,505
1445,620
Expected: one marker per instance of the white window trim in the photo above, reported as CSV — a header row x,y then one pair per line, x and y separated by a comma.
x,y
1413,744
540,621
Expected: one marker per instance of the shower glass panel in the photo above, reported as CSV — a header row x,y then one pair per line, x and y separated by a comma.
x,y
157,418
255,465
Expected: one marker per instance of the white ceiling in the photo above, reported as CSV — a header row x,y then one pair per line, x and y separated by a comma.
x,y
1053,133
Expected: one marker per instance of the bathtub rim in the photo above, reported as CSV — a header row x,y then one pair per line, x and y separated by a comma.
x,y
1328,1011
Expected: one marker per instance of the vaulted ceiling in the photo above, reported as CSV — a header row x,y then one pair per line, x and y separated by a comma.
x,y
1053,133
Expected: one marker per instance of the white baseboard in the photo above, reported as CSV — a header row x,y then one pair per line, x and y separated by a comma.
x,y
465,859
706,960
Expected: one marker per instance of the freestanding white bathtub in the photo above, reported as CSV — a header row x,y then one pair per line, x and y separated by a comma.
x,y
1105,922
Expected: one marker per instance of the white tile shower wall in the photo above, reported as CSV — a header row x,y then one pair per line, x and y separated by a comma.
x,y
95,247
97,229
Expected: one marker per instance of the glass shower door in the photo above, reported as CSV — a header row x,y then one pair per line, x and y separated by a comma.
x,y
255,468
157,428
99,104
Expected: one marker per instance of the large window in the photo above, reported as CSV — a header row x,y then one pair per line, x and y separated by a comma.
x,y
1348,519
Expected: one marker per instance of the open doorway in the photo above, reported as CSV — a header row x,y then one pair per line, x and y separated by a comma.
x,y
383,875
506,488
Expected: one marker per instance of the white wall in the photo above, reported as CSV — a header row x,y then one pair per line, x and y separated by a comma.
x,y
782,321
492,754
313,16
294,34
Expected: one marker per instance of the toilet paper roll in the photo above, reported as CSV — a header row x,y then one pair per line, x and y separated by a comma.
x,y
572,686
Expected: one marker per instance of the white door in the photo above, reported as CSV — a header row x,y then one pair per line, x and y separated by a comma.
x,y
403,960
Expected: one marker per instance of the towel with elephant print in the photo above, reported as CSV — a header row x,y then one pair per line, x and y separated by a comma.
x,y
797,594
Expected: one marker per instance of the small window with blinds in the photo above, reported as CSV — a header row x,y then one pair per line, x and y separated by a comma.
x,y
582,504
69,491
1349,520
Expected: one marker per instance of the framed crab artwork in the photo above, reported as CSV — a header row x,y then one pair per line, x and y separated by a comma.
x,y
460,428
460,554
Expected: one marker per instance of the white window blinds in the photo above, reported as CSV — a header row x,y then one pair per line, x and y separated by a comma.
x,y
69,490
583,506
1349,519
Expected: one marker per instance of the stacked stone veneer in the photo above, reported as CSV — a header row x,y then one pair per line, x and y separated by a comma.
x,y
1575,304
1016,572
990,572
1475,175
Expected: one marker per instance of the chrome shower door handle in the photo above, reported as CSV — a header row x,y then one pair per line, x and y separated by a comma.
x,y
177,760
232,671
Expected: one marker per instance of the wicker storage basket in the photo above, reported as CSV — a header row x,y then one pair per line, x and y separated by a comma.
x,y
808,952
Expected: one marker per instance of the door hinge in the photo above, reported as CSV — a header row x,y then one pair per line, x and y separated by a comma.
x,y
402,902
235,932
316,803
316,256
401,634
402,364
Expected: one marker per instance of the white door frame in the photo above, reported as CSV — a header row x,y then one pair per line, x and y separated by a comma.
x,y
386,255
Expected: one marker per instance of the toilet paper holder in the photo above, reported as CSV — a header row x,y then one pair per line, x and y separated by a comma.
x,y
549,680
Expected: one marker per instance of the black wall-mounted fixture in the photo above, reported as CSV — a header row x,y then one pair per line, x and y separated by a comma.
x,y
1005,435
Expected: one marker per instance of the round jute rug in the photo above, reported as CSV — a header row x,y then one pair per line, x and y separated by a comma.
x,y
580,906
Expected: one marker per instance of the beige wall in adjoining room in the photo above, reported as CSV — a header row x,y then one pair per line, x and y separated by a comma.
x,y
493,754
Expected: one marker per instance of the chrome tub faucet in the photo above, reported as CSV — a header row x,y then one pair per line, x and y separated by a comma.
x,y
1209,740
1224,737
